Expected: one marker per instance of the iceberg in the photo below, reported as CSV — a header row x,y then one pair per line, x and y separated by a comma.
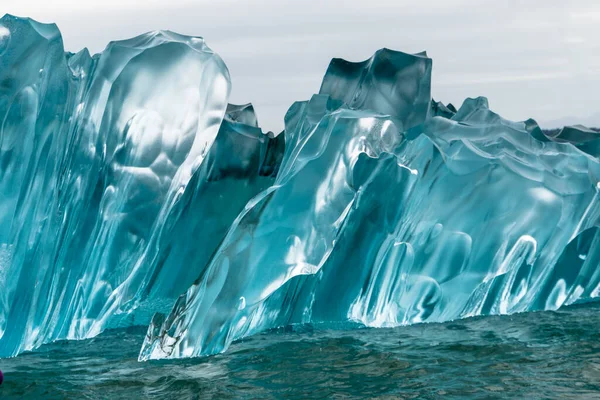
x,y
96,155
133,193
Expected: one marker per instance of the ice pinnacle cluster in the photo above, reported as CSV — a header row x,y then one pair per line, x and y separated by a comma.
x,y
132,193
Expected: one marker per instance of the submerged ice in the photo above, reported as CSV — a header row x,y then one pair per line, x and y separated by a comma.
x,y
132,193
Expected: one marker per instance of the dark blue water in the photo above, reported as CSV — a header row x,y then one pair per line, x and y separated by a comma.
x,y
535,355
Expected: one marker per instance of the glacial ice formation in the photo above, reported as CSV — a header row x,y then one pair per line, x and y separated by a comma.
x,y
96,155
132,193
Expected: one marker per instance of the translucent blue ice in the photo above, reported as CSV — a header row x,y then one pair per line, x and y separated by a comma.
x,y
96,157
131,192
462,214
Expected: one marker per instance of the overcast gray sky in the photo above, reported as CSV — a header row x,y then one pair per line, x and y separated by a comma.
x,y
531,58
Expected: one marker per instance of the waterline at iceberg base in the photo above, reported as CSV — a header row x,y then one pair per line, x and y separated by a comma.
x,y
132,193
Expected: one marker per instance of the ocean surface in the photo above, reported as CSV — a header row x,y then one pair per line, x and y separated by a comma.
x,y
538,355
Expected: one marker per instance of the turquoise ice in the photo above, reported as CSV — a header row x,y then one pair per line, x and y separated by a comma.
x,y
132,193
385,213
97,154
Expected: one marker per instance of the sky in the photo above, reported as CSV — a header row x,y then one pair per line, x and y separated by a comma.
x,y
531,58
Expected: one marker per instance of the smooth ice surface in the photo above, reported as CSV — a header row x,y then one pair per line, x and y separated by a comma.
x,y
97,155
131,192
391,83
457,213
